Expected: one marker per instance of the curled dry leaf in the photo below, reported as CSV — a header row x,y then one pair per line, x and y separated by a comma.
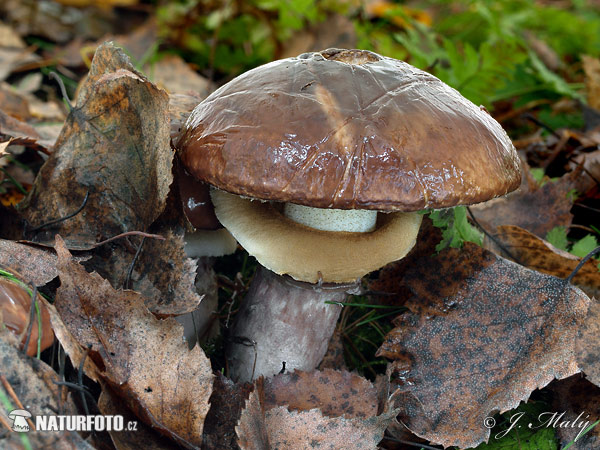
x,y
34,384
114,146
482,334
534,208
143,359
303,410
578,401
533,252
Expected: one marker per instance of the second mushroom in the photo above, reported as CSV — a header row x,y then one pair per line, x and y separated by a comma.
x,y
321,162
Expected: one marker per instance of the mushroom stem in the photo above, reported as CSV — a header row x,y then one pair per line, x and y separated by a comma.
x,y
328,219
281,321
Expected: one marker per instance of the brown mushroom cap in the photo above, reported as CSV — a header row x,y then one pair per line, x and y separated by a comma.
x,y
348,129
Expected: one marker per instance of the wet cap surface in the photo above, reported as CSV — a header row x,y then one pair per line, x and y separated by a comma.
x,y
348,129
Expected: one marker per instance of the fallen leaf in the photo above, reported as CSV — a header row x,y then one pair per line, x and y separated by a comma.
x,y
115,147
588,344
162,273
303,410
143,359
334,358
13,103
226,404
578,401
34,384
15,307
482,334
174,75
141,436
534,208
33,265
531,251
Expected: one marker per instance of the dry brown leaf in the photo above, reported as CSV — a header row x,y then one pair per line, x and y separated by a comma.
x,y
174,75
33,382
143,359
34,265
226,404
588,344
303,410
162,273
482,334
334,358
577,401
534,208
13,103
114,146
142,437
531,251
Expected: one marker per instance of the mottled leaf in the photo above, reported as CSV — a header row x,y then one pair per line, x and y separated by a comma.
x,y
482,333
535,253
534,208
303,410
115,146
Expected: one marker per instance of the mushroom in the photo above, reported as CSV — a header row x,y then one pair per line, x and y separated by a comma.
x,y
319,164
207,240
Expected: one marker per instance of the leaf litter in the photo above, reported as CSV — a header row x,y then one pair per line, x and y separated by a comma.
x,y
143,359
481,335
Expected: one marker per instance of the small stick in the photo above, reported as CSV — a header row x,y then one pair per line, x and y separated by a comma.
x,y
127,283
31,319
581,263
4,422
12,394
62,219
128,233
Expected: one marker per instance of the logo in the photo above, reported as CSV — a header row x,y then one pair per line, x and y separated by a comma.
x,y
19,418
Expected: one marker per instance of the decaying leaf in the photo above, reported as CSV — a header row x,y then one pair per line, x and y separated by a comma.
x,y
34,384
115,147
588,344
143,359
180,107
534,208
226,404
174,75
141,437
303,410
34,265
482,333
535,253
576,406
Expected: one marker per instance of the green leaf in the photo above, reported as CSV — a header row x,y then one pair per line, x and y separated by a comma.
x,y
456,229
584,246
557,236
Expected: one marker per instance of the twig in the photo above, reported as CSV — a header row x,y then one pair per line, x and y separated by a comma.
x,y
581,263
62,219
75,386
8,388
80,381
492,238
31,319
127,282
128,233
63,90
4,422
412,444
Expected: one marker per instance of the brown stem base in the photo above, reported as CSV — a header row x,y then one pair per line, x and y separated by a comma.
x,y
281,321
